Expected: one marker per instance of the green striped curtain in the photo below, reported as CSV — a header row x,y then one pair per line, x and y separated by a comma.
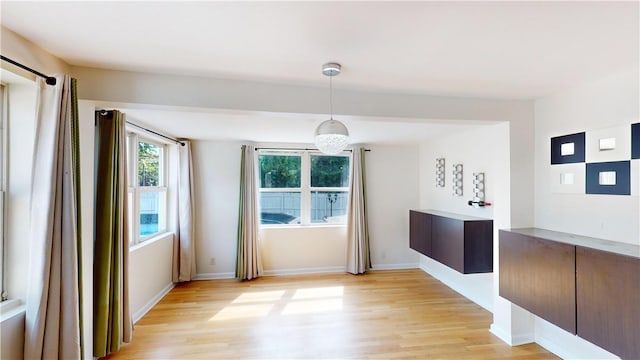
x,y
112,323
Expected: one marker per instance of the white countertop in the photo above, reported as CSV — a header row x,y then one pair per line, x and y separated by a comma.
x,y
584,241
452,215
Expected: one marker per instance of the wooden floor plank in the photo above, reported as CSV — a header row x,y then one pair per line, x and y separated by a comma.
x,y
403,314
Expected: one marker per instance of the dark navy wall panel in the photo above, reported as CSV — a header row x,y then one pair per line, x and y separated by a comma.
x,y
623,178
578,154
635,141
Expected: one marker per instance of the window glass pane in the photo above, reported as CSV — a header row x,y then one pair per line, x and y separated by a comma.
x,y
152,214
149,164
329,171
280,208
279,171
329,207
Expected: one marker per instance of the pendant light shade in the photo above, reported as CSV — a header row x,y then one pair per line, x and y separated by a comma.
x,y
331,135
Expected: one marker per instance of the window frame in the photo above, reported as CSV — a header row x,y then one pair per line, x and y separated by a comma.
x,y
134,190
305,188
4,111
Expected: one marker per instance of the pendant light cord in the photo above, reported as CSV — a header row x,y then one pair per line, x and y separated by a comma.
x,y
331,95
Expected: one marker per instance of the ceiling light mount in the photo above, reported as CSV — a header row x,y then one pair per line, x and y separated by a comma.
x,y
331,135
331,69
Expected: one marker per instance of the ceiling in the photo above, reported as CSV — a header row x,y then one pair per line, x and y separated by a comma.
x,y
508,50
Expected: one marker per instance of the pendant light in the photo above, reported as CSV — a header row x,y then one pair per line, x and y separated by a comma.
x,y
331,135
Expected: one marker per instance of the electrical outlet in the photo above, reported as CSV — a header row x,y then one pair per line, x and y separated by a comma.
x,y
212,261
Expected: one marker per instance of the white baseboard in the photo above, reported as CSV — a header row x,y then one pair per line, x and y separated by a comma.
x,y
553,347
215,276
500,333
305,271
149,305
519,339
567,345
395,266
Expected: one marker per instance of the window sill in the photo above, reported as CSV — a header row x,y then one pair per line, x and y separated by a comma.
x,y
10,309
150,241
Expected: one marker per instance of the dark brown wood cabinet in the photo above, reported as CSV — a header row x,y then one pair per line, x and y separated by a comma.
x,y
608,301
589,287
464,243
420,232
539,276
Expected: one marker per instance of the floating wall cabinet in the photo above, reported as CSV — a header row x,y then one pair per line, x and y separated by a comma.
x,y
420,232
539,275
464,243
589,287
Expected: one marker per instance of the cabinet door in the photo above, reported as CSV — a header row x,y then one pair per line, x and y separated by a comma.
x,y
539,276
447,242
420,232
478,246
608,301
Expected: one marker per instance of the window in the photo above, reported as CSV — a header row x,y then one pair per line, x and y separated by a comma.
x,y
303,187
3,109
147,192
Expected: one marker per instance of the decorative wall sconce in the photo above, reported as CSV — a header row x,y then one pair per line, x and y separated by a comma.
x,y
457,180
478,191
440,172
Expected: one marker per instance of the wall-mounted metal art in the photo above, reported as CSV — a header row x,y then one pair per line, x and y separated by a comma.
x,y
456,180
440,172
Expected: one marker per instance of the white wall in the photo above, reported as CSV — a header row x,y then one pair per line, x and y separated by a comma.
x,y
203,92
24,51
150,273
12,339
216,170
478,149
392,187
312,249
612,101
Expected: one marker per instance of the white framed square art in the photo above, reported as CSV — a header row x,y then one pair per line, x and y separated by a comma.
x,y
608,144
568,178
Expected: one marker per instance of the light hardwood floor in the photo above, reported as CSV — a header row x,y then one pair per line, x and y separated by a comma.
x,y
380,315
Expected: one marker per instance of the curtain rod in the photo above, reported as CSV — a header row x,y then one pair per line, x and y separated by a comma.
x,y
50,80
349,150
156,133
104,112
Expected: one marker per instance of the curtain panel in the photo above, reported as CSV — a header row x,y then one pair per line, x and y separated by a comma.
x,y
184,262
358,257
53,325
248,263
112,324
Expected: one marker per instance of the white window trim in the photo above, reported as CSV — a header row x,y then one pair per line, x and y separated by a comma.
x,y
4,93
305,188
133,138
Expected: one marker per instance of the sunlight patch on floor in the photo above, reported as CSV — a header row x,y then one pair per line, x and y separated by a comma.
x,y
291,302
317,293
233,312
260,296
313,306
